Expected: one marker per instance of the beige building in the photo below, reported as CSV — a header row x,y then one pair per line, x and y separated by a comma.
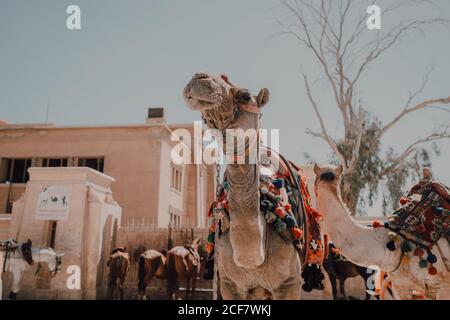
x,y
150,189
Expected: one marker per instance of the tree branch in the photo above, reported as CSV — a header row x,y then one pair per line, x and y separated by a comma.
x,y
324,134
424,104
445,134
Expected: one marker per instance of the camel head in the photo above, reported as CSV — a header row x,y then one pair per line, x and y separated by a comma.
x,y
218,100
328,176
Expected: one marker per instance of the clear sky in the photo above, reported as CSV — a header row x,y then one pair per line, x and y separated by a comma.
x,y
130,55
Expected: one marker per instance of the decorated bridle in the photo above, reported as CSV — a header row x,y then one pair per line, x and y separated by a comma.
x,y
251,108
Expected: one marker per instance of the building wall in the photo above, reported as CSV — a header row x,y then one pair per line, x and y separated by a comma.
x,y
137,156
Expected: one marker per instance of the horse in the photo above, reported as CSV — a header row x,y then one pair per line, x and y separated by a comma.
x,y
20,258
184,263
339,268
152,263
119,265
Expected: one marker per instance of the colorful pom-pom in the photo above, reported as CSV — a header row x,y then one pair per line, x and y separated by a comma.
x,y
278,183
290,221
264,190
432,270
209,247
280,226
403,200
266,205
297,233
386,224
287,206
431,258
406,246
376,224
211,237
423,263
280,212
270,217
418,252
225,185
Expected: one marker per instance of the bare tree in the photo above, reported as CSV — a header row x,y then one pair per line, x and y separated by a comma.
x,y
336,34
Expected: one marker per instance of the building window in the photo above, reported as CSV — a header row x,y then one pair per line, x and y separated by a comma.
x,y
176,178
52,236
175,220
93,163
59,162
15,170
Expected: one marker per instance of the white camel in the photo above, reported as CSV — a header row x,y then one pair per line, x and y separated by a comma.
x,y
366,246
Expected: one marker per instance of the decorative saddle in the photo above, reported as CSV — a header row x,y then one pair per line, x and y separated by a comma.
x,y
422,220
287,207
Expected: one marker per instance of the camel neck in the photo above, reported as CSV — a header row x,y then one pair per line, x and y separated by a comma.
x,y
362,245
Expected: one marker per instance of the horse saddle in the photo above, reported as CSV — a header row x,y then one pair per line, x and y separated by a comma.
x,y
117,249
196,260
26,252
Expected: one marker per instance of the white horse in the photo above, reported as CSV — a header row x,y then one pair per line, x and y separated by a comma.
x,y
16,264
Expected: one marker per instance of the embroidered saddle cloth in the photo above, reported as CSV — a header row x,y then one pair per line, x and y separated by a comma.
x,y
425,212
287,207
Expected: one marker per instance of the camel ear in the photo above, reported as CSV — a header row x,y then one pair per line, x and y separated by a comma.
x,y
339,170
316,169
263,97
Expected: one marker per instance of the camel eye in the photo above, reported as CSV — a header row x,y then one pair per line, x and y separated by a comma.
x,y
328,176
243,97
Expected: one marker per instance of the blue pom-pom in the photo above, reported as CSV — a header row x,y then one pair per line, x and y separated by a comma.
x,y
391,245
423,263
406,246
278,183
431,258
266,205
280,226
386,224
225,185
289,221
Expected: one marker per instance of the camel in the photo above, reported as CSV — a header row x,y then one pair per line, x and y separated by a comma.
x,y
253,260
366,246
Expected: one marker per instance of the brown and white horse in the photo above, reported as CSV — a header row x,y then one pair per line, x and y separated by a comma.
x,y
184,264
119,265
152,263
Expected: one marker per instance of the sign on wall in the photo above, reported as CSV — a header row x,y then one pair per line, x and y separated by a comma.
x,y
53,202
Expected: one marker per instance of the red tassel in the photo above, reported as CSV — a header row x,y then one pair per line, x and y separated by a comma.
x,y
418,252
377,224
280,212
432,270
296,232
